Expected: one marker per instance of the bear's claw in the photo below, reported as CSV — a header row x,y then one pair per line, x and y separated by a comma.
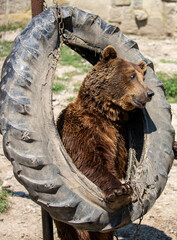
x,y
124,189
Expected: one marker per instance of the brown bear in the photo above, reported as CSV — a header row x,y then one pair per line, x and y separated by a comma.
x,y
93,128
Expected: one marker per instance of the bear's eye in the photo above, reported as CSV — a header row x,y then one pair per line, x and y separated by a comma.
x,y
133,76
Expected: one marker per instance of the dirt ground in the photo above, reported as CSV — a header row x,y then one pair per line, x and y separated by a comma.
x,y
23,219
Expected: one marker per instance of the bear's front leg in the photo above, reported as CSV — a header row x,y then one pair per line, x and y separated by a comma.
x,y
114,188
108,183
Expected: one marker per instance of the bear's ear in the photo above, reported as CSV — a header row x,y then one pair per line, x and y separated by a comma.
x,y
142,65
109,53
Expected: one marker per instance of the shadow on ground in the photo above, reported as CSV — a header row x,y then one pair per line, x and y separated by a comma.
x,y
145,233
19,194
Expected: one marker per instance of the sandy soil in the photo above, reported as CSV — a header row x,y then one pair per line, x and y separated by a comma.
x,y
23,219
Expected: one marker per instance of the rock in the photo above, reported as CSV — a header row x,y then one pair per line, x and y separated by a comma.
x,y
6,185
116,15
8,177
124,18
23,235
128,23
3,7
99,7
140,15
121,2
170,10
154,27
18,6
167,41
137,4
154,8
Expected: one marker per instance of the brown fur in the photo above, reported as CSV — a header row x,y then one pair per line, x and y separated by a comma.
x,y
93,128
67,232
175,148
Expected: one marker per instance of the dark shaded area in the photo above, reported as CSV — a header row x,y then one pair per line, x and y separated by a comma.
x,y
136,129
145,233
47,225
150,126
141,23
89,54
175,149
19,194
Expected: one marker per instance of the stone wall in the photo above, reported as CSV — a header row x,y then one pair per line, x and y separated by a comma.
x,y
15,11
143,17
98,7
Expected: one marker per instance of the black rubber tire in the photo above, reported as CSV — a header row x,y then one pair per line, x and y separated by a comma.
x,y
31,141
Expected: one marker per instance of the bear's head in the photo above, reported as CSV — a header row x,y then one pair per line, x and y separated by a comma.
x,y
114,84
117,81
125,81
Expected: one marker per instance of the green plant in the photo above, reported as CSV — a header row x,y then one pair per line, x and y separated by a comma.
x,y
5,47
68,76
63,78
170,85
4,202
73,73
168,61
58,87
11,26
70,99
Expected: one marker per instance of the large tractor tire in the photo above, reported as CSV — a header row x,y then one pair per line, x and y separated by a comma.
x,y
31,141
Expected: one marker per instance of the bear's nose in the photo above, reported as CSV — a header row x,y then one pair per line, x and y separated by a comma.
x,y
150,93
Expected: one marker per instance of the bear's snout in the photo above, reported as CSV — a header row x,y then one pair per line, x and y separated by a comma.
x,y
150,94
141,100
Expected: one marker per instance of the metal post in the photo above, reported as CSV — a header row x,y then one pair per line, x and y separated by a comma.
x,y
36,7
47,225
